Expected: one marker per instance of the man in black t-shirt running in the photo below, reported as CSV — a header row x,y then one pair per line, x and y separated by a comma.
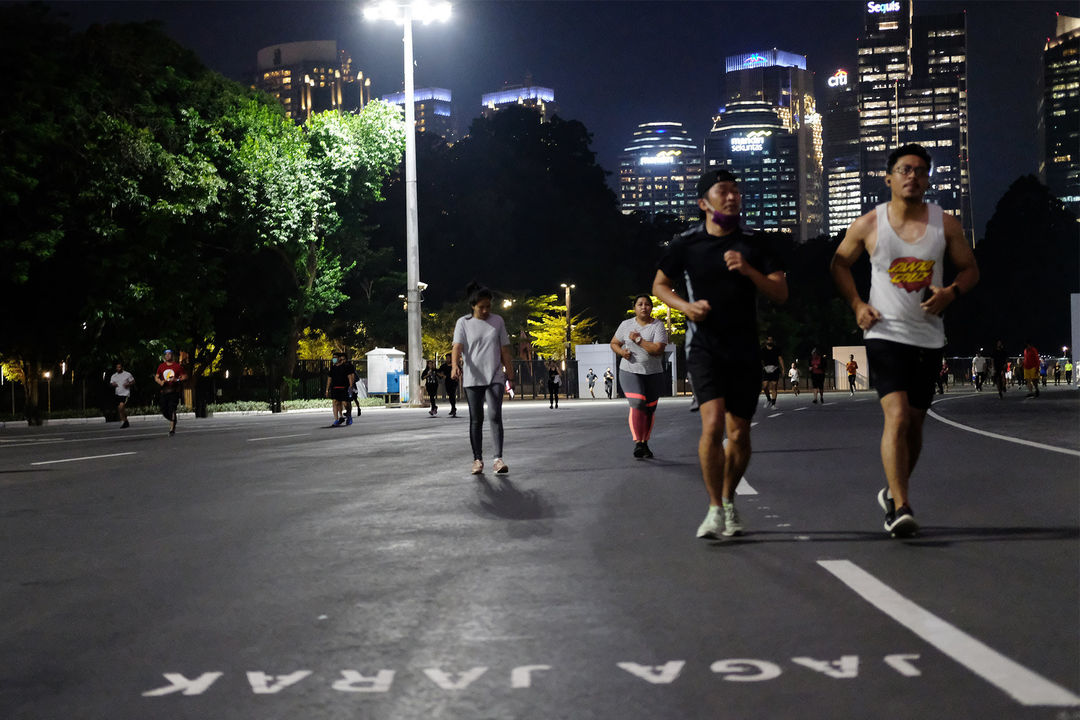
x,y
772,362
342,377
723,267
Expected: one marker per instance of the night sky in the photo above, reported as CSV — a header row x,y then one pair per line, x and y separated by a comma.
x,y
614,64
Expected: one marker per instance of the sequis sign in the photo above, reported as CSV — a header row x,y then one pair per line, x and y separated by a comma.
x,y
874,7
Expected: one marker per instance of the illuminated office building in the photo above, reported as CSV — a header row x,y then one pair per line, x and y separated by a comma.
x,y
659,170
912,87
310,77
541,99
781,81
1059,121
748,139
843,176
432,107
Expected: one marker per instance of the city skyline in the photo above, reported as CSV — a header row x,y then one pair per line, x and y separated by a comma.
x,y
616,64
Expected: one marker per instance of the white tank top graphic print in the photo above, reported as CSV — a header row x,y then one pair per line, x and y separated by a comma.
x,y
900,277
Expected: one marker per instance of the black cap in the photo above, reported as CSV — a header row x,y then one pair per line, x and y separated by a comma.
x,y
711,178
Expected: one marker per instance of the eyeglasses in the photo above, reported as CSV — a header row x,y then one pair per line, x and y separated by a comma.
x,y
905,170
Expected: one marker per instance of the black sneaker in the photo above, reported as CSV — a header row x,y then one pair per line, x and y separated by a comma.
x,y
884,499
903,524
126,424
639,450
645,451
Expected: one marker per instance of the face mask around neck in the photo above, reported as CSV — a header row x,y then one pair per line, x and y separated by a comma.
x,y
726,222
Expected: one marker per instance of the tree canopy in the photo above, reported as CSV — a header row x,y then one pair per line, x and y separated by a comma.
x,y
147,201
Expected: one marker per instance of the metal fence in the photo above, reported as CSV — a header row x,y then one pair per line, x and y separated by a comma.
x,y
68,393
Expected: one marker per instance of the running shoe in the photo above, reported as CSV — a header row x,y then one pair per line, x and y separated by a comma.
x,y
337,423
639,450
501,467
732,525
126,424
645,451
903,524
712,525
348,420
477,467
884,499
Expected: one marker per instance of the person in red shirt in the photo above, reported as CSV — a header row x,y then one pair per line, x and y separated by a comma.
x,y
1031,369
169,375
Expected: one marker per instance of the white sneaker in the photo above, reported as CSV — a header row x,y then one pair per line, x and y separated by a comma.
x,y
732,526
500,467
477,467
710,527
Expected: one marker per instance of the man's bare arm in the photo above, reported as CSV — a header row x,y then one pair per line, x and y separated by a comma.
x,y
664,289
967,269
851,247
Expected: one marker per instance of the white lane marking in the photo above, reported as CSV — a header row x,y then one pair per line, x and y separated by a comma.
x,y
743,488
278,437
1025,686
996,436
122,435
776,414
798,409
13,444
87,457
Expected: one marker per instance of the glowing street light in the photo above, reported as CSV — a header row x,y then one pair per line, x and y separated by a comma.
x,y
568,288
404,13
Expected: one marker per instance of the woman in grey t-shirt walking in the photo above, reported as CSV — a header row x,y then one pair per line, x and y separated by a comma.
x,y
640,342
481,359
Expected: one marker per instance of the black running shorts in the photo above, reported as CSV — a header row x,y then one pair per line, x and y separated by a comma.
x,y
719,373
904,368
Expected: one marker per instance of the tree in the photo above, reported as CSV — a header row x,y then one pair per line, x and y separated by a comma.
x,y
1029,264
104,164
292,182
547,326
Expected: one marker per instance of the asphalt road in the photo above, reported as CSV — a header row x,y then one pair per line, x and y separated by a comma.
x,y
269,567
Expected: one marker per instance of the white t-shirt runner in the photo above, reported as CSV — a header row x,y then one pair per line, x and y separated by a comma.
x,y
900,274
641,362
481,355
122,380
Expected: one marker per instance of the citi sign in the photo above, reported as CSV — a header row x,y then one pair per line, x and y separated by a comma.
x,y
839,79
874,7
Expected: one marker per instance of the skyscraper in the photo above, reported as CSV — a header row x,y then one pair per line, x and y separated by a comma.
x,y
780,79
843,177
526,95
1059,120
659,170
912,88
432,108
310,77
751,141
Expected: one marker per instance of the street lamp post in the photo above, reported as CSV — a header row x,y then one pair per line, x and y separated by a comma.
x,y
405,13
568,288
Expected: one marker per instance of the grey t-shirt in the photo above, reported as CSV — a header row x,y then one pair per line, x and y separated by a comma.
x,y
123,381
641,362
481,354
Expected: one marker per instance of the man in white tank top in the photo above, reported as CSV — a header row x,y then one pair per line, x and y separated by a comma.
x,y
907,240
